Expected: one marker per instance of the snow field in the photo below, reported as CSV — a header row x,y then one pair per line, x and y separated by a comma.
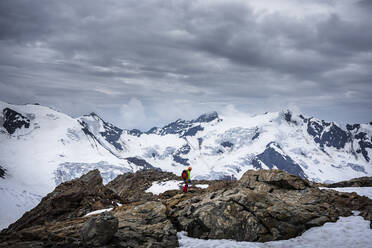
x,y
14,202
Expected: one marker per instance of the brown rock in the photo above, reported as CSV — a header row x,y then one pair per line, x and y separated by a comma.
x,y
262,206
131,187
145,225
99,230
356,182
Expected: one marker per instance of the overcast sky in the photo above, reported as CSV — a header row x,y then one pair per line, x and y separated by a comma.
x,y
146,63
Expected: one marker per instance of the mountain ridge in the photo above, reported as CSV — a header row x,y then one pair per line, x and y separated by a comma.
x,y
56,147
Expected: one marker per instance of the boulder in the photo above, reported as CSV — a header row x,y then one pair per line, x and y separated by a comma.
x,y
266,180
145,224
99,230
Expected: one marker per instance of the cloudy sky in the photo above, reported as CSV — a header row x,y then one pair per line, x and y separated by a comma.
x,y
145,63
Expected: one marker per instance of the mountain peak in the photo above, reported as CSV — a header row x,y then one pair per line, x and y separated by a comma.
x,y
207,117
93,115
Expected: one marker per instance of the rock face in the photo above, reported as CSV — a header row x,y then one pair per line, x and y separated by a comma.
x,y
145,224
2,172
185,128
14,120
141,163
262,206
273,156
356,182
99,230
69,200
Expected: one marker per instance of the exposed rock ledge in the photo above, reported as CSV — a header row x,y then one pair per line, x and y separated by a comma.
x,y
262,206
356,182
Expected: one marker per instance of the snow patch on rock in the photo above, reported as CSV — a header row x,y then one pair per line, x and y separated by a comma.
x,y
98,211
160,187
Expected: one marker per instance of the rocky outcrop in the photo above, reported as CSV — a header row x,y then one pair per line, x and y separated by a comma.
x,y
69,200
145,224
99,230
131,187
14,120
268,180
2,172
356,182
275,157
262,206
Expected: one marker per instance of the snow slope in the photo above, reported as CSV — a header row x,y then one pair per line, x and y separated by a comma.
x,y
41,147
225,147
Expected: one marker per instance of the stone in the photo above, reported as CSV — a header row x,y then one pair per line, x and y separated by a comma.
x,y
145,224
356,182
99,230
131,187
262,206
266,180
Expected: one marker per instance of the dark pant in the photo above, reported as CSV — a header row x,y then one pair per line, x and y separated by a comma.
x,y
187,181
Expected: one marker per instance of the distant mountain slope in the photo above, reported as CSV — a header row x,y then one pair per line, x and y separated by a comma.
x,y
41,147
226,146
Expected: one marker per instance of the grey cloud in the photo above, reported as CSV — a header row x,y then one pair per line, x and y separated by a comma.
x,y
97,55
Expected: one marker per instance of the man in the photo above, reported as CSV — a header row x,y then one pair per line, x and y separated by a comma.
x,y
186,175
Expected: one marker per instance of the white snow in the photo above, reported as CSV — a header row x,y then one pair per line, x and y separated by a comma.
x,y
14,201
160,187
363,191
202,186
347,232
98,211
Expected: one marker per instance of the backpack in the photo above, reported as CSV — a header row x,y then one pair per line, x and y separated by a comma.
x,y
184,174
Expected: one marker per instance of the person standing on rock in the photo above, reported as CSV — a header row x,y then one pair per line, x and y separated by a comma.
x,y
186,176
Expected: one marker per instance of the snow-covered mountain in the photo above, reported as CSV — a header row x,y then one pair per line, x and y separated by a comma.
x,y
41,147
226,146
